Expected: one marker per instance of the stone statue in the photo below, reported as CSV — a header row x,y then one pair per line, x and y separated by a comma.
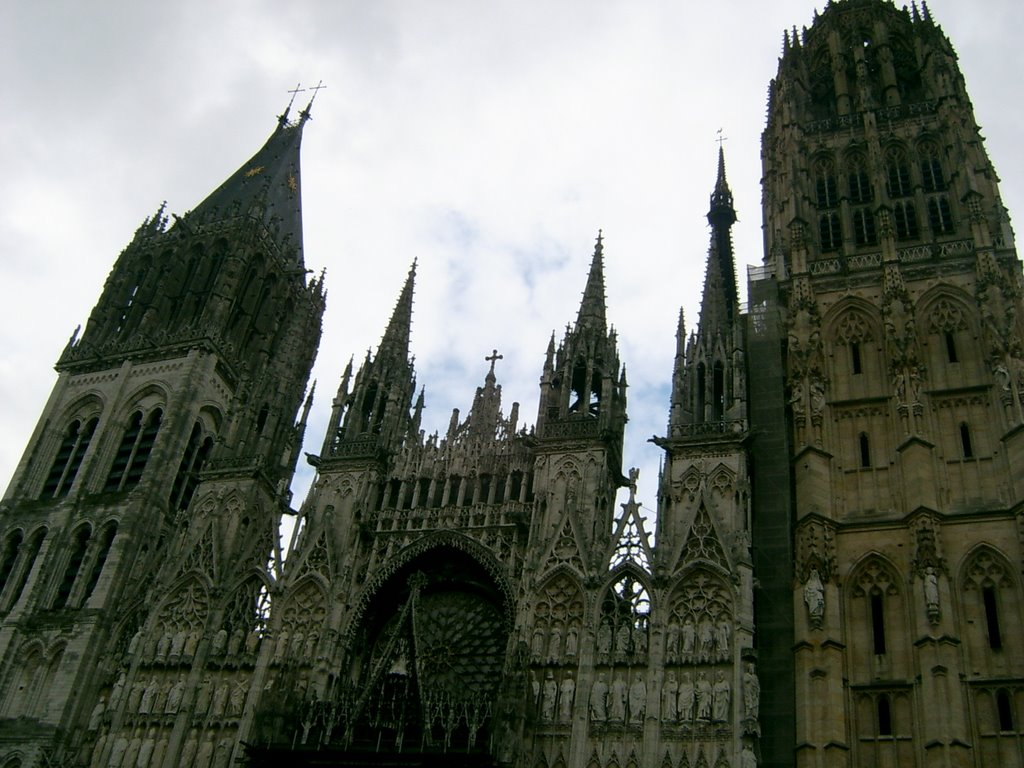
x,y
637,700
686,695
599,700
672,641
751,692
706,636
747,758
704,697
722,638
203,696
555,644
537,646
604,637
722,694
617,700
548,698
814,598
174,697
931,590
220,642
566,695
97,714
572,639
689,639
669,696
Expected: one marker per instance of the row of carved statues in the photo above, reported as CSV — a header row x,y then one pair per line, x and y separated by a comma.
x,y
147,749
179,646
161,696
702,641
706,697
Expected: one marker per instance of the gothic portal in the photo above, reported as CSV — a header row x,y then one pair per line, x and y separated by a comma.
x,y
836,578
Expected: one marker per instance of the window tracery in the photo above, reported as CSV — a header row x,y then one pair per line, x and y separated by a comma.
x,y
624,621
558,621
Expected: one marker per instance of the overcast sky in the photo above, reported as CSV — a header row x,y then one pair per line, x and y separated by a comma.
x,y
488,140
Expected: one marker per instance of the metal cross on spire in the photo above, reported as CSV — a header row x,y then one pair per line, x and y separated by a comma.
x,y
294,91
492,359
721,139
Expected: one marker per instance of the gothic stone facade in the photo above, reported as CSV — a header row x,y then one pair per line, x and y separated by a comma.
x,y
836,578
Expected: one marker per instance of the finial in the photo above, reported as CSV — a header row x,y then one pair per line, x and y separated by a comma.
x,y
283,118
493,358
305,114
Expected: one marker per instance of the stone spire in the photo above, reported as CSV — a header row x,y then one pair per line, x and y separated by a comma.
x,y
721,217
592,307
267,188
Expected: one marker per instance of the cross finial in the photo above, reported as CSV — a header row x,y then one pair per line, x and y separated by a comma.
x,y
492,359
296,90
315,89
721,139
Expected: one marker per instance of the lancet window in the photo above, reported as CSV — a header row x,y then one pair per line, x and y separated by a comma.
x,y
69,458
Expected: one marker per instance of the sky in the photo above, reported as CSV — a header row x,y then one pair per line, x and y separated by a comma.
x,y
489,141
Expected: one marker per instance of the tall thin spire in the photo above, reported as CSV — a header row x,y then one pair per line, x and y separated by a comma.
x,y
592,308
396,337
721,217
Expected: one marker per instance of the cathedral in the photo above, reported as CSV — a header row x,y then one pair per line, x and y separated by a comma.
x,y
833,577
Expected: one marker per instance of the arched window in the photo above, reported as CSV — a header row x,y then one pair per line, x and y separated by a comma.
x,y
830,231
74,563
187,478
858,180
133,453
69,458
24,566
897,174
877,622
932,179
9,557
1004,711
991,603
826,194
105,542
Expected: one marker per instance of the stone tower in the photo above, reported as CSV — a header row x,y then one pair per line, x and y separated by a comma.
x,y
140,521
899,289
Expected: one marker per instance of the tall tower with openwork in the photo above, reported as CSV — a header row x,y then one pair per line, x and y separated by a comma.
x,y
708,681
135,534
899,289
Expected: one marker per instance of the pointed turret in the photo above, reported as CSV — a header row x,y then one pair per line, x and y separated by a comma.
x,y
267,189
396,337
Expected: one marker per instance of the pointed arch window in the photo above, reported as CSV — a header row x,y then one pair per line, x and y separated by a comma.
x,y
826,191
1004,711
133,453
864,449
106,541
884,716
990,591
932,178
966,449
897,174
718,392
69,458
859,182
951,353
8,558
25,564
830,231
74,564
586,390
187,478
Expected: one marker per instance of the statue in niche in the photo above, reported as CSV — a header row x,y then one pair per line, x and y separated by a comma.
x,y
537,646
704,696
931,593
220,642
640,641
252,642
572,639
747,757
163,647
535,688
565,699
133,644
814,598
669,696
548,698
146,703
617,700
722,638
722,695
555,644
686,698
178,644
117,691
235,642
281,649
672,640
97,714
604,637
637,700
622,638
174,697
706,636
689,639
751,692
599,700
